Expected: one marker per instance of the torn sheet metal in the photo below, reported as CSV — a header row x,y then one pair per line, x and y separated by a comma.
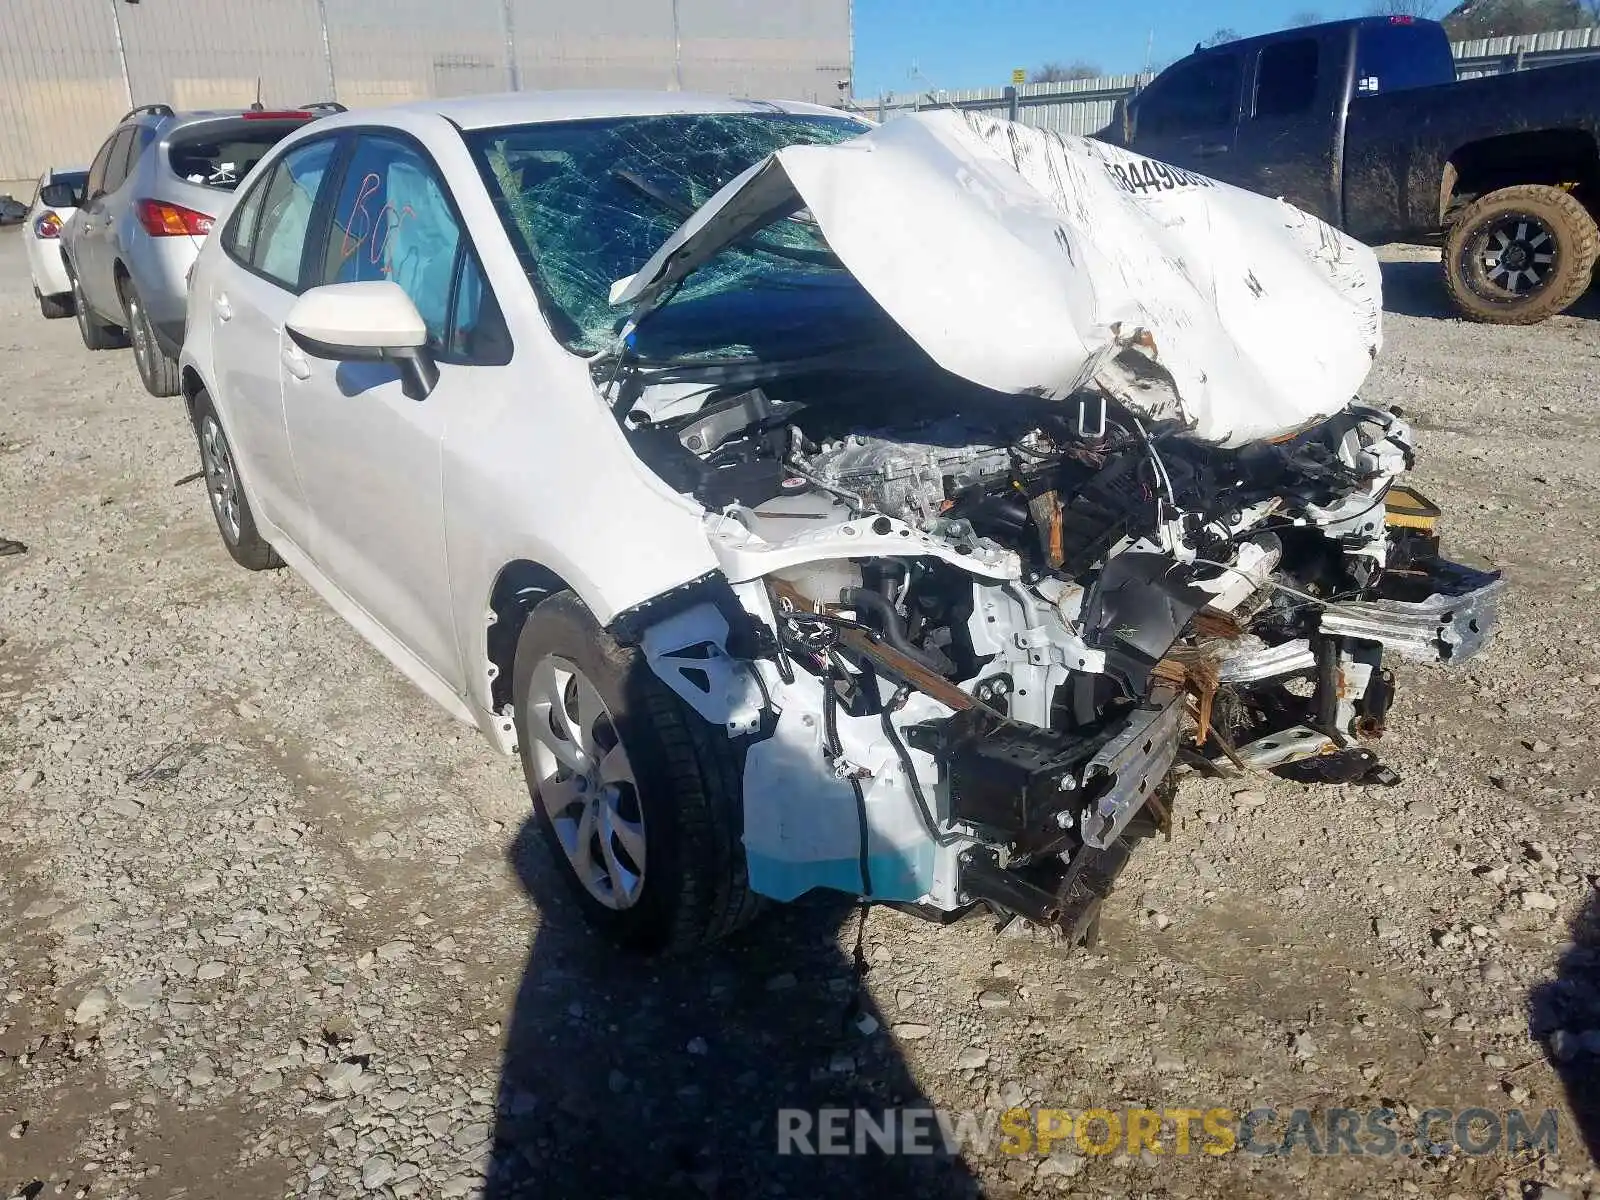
x,y
1035,263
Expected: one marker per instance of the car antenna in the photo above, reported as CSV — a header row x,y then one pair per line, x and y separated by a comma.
x,y
257,106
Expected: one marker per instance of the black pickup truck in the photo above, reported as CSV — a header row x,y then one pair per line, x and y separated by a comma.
x,y
1363,123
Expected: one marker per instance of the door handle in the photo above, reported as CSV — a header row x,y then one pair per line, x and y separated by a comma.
x,y
295,363
1211,150
222,308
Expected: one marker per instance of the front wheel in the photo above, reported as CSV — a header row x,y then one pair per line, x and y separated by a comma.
x,y
638,798
1520,255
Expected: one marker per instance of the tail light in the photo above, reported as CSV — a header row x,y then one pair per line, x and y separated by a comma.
x,y
287,115
1402,20
47,226
161,219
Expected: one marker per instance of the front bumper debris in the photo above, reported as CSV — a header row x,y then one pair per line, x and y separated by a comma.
x,y
1448,626
1132,765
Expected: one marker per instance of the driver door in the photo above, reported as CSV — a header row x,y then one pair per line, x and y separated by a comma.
x,y
369,458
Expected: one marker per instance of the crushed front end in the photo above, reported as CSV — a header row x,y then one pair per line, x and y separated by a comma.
x,y
969,659
1075,502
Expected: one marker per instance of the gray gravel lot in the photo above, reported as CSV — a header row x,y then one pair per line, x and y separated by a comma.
x,y
271,924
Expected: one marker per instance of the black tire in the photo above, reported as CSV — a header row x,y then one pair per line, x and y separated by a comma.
x,y
96,334
158,372
695,887
1551,218
53,308
235,523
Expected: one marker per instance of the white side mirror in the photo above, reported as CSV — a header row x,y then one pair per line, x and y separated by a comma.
x,y
374,321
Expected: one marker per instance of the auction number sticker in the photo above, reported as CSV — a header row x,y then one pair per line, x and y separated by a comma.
x,y
1147,175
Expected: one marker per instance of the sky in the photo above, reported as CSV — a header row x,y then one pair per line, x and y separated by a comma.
x,y
977,43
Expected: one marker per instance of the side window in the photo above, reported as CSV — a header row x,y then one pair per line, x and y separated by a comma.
x,y
393,220
117,166
1192,97
107,171
96,183
287,201
477,332
239,235
1286,79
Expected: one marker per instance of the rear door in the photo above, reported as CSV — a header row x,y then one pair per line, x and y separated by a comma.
x,y
1289,140
1189,115
93,242
265,240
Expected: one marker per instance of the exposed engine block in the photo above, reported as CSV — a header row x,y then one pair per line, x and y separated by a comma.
x,y
911,475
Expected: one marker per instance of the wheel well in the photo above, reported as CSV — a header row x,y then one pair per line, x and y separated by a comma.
x,y
1549,156
520,587
192,385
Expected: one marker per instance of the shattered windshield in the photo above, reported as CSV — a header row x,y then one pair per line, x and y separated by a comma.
x,y
586,203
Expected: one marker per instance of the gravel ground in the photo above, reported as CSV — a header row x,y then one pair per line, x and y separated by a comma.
x,y
270,924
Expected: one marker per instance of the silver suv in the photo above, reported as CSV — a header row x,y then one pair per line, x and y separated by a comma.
x,y
155,189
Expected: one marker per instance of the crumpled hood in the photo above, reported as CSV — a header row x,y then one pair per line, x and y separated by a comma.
x,y
1034,263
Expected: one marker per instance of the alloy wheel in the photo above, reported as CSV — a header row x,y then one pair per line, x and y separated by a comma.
x,y
140,335
222,480
1518,254
586,784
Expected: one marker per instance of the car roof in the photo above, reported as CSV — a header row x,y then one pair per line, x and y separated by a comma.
x,y
1279,35
532,108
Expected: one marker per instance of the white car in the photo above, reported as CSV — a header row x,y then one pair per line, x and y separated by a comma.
x,y
816,505
55,200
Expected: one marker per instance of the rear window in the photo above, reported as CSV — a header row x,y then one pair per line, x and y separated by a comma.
x,y
220,154
1400,55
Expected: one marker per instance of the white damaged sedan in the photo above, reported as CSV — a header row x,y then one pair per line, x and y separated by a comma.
x,y
892,510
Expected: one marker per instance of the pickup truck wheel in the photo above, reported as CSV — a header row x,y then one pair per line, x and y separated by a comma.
x,y
1519,255
638,797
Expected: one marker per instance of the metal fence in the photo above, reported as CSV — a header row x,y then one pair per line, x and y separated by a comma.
x,y
70,68
1086,105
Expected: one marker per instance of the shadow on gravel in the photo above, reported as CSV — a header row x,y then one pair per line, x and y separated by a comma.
x,y
1416,289
1564,1014
663,1079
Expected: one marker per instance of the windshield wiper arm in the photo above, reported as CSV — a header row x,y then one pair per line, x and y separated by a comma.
x,y
662,197
666,201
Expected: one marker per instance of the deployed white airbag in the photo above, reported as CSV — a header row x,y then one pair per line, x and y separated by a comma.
x,y
1035,263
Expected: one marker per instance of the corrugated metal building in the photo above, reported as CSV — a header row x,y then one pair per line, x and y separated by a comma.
x,y
70,68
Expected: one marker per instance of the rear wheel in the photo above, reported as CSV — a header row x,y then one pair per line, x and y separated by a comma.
x,y
54,307
1520,255
638,798
159,372
235,522
96,334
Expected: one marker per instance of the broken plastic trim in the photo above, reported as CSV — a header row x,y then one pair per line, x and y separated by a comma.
x,y
628,626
